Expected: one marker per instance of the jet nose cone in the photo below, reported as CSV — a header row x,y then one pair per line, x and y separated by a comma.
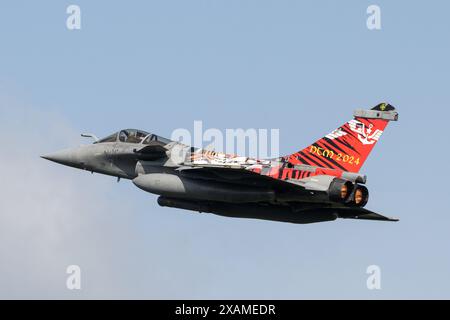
x,y
65,157
47,157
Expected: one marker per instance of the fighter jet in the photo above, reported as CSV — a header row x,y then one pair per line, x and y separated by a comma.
x,y
321,182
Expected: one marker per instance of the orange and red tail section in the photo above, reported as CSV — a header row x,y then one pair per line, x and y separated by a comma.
x,y
348,147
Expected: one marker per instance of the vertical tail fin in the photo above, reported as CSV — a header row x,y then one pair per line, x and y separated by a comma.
x,y
348,147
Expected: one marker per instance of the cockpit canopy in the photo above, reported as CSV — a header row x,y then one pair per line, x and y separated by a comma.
x,y
134,136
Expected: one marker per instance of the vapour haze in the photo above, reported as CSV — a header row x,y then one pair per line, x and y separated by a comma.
x,y
298,67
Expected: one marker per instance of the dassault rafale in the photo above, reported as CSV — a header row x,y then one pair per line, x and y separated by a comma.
x,y
321,182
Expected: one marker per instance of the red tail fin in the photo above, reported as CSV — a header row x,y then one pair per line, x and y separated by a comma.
x,y
348,147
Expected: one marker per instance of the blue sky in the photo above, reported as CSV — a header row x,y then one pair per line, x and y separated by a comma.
x,y
301,67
